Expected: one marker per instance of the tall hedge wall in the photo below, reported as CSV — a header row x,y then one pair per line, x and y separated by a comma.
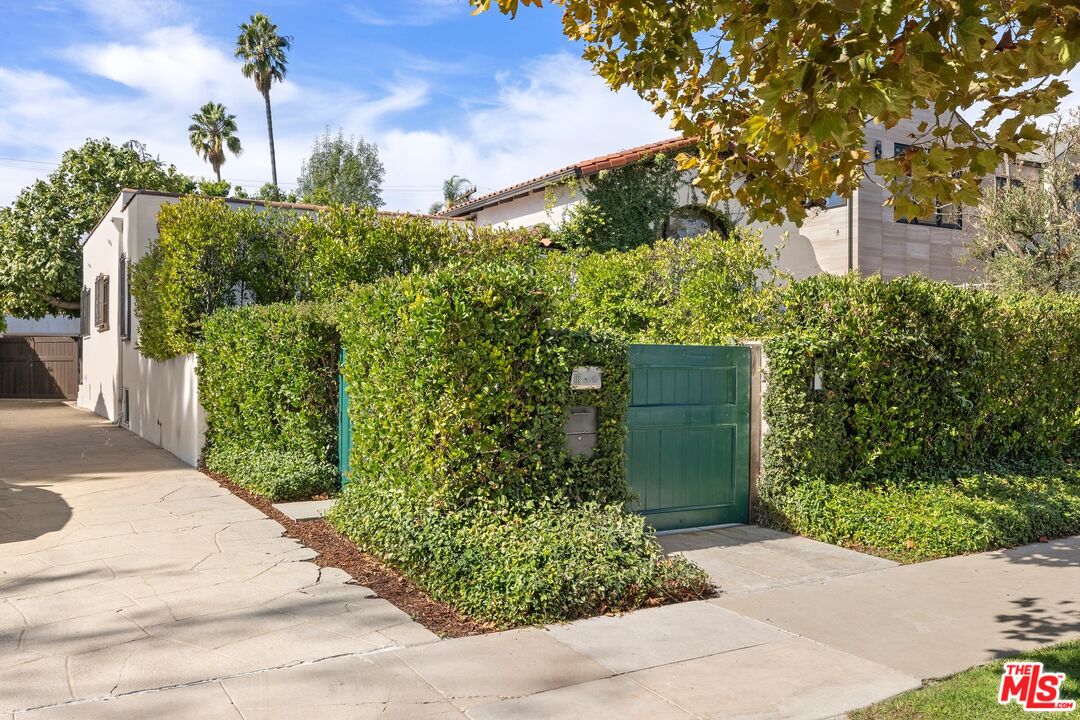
x,y
268,379
459,383
917,377
705,290
459,388
211,256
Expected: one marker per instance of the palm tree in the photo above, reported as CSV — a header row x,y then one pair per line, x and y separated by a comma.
x,y
454,189
263,53
212,132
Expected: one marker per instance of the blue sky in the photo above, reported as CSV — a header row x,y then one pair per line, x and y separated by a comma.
x,y
439,91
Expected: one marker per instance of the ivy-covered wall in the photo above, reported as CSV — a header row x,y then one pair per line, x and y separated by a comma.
x,y
210,256
459,384
459,389
916,378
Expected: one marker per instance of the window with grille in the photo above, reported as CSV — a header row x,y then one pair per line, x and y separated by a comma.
x,y
101,303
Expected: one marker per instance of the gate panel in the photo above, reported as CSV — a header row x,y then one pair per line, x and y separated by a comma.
x,y
688,434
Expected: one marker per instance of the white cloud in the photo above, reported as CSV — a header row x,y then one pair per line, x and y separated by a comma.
x,y
553,113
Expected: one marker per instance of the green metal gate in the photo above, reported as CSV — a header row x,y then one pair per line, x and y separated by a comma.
x,y
344,426
688,434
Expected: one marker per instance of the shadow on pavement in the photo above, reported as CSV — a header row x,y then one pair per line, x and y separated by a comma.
x,y
29,511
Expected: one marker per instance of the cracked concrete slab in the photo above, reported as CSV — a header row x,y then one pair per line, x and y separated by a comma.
x,y
124,571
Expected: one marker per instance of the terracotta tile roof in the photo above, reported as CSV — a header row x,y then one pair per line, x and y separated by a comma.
x,y
584,168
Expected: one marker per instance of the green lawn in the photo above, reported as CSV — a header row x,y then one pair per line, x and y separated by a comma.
x,y
972,694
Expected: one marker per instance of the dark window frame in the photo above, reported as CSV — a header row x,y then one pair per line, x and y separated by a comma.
x,y
942,211
124,298
101,303
84,312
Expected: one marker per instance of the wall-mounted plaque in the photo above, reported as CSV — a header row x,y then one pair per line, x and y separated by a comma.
x,y
585,378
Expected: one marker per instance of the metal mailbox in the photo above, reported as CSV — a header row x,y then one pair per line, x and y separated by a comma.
x,y
581,431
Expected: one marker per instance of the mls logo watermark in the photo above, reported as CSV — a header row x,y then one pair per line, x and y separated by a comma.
x,y
1033,689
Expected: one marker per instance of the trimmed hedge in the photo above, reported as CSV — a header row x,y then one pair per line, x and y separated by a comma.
x,y
706,290
278,475
459,383
513,565
920,383
268,380
211,256
459,387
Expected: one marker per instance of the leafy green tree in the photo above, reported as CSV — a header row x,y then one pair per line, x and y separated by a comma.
x,y
212,132
1027,233
779,91
623,208
272,192
342,171
454,189
263,52
40,232
214,188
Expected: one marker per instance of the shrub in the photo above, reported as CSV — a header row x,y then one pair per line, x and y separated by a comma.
x,y
458,386
704,290
513,566
268,378
922,519
919,383
918,376
278,475
346,247
207,257
460,383
211,256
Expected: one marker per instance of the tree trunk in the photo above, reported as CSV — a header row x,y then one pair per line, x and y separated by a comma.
x,y
217,171
270,132
61,304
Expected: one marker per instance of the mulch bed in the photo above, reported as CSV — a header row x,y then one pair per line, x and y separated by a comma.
x,y
336,550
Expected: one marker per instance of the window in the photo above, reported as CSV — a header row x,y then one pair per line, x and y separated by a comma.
x,y
84,312
947,215
123,295
101,303
1011,182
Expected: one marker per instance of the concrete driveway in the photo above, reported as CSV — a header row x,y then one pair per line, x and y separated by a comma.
x,y
132,586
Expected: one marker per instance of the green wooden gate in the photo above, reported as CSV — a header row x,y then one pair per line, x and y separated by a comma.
x,y
688,434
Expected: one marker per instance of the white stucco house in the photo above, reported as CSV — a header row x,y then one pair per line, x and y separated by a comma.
x,y
857,234
157,400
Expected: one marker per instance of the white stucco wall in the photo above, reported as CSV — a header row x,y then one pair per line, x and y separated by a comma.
x,y
163,400
797,255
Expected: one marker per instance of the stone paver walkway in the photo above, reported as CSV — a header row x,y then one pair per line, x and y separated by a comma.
x,y
132,586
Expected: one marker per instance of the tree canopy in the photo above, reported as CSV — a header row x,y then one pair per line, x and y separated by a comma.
x,y
264,53
779,91
40,232
211,133
1027,232
342,171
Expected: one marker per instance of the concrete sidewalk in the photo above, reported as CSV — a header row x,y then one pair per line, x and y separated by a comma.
x,y
132,586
